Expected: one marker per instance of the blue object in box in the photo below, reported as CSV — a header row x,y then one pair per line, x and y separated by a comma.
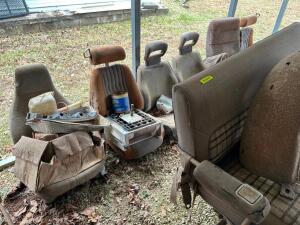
x,y
120,103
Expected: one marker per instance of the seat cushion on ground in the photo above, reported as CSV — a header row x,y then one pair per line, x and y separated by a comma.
x,y
283,210
30,81
270,141
223,35
50,193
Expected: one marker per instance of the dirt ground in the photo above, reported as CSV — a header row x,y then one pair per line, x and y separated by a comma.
x,y
135,192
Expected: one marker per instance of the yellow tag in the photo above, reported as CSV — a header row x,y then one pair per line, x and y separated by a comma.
x,y
206,79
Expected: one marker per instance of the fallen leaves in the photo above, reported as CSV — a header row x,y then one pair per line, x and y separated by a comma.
x,y
91,214
28,209
28,219
134,198
20,211
34,207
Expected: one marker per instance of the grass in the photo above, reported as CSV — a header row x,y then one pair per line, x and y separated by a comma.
x,y
61,50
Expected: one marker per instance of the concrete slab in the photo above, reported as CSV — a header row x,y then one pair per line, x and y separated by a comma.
x,y
41,22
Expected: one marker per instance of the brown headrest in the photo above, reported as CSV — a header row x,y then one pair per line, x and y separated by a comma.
x,y
224,24
185,47
159,47
247,21
105,54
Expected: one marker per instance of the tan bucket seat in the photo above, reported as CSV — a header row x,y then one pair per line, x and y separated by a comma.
x,y
30,81
156,78
188,62
210,111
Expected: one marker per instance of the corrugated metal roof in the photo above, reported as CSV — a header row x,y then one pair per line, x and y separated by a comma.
x,y
72,5
81,5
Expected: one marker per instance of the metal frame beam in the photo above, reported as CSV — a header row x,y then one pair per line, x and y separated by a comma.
x,y
232,8
26,6
136,34
283,7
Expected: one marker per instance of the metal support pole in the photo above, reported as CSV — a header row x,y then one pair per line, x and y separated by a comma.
x,y
26,7
136,34
283,6
232,8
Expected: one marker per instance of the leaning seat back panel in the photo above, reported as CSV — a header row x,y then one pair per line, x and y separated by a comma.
x,y
204,108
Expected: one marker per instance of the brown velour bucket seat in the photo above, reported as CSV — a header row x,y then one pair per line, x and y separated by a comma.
x,y
110,79
30,81
225,36
210,112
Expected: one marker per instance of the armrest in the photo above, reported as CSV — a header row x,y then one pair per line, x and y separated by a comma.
x,y
237,201
213,60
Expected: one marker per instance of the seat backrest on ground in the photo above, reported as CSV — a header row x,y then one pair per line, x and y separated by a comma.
x,y
111,79
188,62
155,78
30,81
210,108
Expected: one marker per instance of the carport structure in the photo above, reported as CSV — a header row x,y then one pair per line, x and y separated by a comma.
x,y
136,26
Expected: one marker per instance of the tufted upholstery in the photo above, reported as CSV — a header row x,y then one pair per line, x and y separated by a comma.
x,y
110,79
